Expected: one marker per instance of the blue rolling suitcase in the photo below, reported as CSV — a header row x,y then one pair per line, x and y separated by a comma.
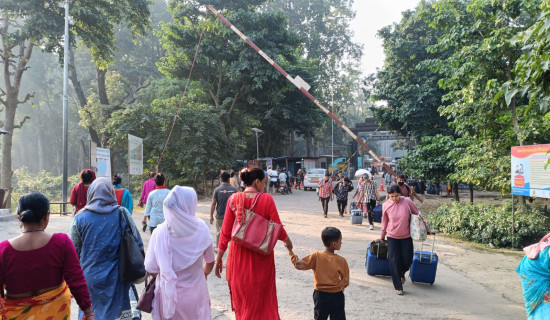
x,y
424,265
377,266
356,216
378,213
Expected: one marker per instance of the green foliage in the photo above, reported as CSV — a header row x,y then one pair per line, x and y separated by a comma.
x,y
435,158
532,68
491,225
411,93
43,181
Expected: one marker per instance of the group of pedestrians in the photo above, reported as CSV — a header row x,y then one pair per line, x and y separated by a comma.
x,y
180,253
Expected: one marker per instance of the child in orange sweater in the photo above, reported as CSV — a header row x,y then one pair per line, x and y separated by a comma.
x,y
330,276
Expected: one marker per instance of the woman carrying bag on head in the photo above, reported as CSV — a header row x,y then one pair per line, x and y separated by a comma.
x,y
175,255
250,275
96,234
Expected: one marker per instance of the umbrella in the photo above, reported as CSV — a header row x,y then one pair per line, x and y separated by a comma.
x,y
359,173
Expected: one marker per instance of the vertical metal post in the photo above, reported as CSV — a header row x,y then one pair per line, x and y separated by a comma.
x,y
65,106
513,217
332,139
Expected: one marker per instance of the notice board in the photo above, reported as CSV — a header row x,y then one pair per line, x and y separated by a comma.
x,y
529,175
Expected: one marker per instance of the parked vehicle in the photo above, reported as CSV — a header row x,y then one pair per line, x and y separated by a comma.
x,y
312,178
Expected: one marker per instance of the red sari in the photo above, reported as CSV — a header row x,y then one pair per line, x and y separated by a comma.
x,y
250,275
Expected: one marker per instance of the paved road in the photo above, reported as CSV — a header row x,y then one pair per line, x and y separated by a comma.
x,y
470,284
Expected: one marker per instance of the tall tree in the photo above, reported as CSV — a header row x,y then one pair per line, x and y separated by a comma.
x,y
410,92
238,82
479,33
25,25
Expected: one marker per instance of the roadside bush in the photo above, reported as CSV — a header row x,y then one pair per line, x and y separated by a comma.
x,y
491,225
45,182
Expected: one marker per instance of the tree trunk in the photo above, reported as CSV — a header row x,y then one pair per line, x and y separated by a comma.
x,y
309,142
7,140
101,89
471,189
73,76
456,197
40,152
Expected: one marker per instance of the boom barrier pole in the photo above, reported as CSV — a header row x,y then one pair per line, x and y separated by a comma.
x,y
300,85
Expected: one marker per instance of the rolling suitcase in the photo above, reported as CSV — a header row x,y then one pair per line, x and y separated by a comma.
x,y
424,265
377,263
378,213
356,216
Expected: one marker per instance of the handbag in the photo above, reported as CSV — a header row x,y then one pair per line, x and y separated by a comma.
x,y
131,259
145,302
419,229
255,232
532,251
380,249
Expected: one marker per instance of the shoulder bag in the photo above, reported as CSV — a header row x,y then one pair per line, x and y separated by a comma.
x,y
255,232
419,229
145,302
131,259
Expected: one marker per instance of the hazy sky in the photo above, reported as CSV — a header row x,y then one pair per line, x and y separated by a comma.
x,y
371,16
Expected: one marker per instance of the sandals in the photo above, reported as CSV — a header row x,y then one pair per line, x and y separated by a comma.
x,y
399,292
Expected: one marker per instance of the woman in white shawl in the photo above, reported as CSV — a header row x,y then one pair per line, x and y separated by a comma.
x,y
175,254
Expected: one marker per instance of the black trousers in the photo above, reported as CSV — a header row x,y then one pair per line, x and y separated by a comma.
x,y
342,205
329,304
400,257
370,210
324,203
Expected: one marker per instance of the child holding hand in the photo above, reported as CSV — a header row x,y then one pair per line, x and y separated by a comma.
x,y
330,276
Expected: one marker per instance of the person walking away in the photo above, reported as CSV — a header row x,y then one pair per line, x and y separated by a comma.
x,y
341,190
219,202
368,198
250,275
124,198
181,256
325,192
273,175
153,208
406,190
396,217
78,194
234,180
148,186
123,195
38,268
96,238
301,173
330,276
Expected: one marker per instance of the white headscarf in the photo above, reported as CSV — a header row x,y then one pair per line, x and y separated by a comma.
x,y
181,240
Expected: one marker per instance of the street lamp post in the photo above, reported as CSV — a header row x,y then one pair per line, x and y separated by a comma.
x,y
65,106
258,133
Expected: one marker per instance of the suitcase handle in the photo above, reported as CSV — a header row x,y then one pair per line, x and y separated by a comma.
x,y
422,250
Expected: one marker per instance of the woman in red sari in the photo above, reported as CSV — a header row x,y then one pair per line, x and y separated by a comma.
x,y
250,275
79,194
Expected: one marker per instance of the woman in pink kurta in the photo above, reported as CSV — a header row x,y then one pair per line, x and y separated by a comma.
x,y
250,275
175,255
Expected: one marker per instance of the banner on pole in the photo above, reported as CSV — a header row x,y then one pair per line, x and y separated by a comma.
x,y
529,176
103,160
135,155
